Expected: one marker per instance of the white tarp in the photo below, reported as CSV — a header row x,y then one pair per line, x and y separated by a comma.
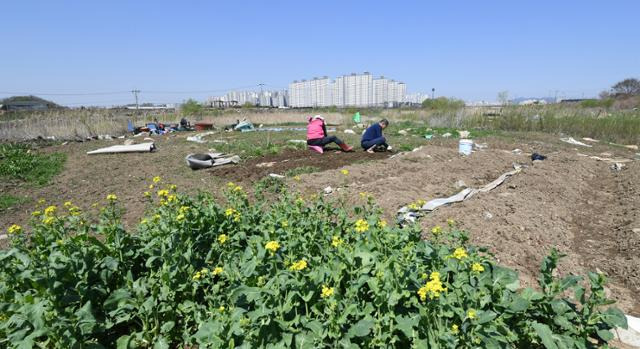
x,y
571,140
405,214
133,148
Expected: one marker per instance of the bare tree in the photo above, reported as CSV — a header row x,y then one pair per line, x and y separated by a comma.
x,y
627,87
503,97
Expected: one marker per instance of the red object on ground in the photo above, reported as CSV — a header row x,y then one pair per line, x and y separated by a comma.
x,y
203,126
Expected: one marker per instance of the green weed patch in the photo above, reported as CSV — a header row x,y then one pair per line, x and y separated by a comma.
x,y
21,162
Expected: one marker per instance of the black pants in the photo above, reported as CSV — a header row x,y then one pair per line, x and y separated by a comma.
x,y
321,142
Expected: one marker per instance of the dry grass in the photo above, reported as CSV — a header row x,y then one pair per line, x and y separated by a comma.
x,y
612,125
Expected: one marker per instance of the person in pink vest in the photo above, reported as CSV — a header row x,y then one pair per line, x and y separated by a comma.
x,y
317,134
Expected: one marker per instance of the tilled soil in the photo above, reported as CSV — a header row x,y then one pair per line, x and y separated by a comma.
x,y
257,168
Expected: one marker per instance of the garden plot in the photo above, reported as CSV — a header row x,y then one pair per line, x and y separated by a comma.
x,y
574,203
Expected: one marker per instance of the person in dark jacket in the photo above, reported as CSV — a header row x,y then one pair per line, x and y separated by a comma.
x,y
373,139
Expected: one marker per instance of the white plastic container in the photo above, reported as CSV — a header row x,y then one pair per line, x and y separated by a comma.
x,y
465,146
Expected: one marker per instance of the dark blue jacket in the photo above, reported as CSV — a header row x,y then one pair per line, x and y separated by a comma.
x,y
374,131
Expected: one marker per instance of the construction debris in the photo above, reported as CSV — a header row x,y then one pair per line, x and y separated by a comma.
x,y
590,140
200,161
275,175
198,138
328,190
409,215
133,148
571,140
349,131
617,166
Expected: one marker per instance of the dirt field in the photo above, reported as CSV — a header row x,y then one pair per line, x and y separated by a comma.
x,y
571,202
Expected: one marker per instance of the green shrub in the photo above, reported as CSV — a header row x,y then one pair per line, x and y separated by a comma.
x,y
597,103
21,162
299,272
443,103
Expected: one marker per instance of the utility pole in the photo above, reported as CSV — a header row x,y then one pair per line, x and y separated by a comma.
x,y
135,93
433,93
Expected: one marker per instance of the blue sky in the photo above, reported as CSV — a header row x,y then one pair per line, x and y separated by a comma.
x,y
175,50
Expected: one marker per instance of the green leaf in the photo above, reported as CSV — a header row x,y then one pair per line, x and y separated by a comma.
x,y
161,343
304,341
407,324
123,342
614,318
167,326
518,304
485,316
544,332
606,335
361,328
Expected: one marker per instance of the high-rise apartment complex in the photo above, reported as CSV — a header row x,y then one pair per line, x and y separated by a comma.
x,y
262,99
358,90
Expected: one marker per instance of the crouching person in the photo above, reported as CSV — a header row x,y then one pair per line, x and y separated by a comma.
x,y
373,139
317,134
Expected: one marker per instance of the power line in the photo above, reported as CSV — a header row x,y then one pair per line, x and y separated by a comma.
x,y
66,94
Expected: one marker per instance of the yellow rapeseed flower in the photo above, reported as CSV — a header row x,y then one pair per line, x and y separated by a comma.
x,y
221,309
163,193
231,185
455,329
381,224
217,271
299,265
296,178
284,223
344,172
147,194
180,217
432,288
197,276
156,179
173,187
74,211
471,314
460,253
150,186
336,241
272,246
49,220
14,229
229,212
42,201
144,221
361,226
112,197
451,222
222,238
237,189
184,209
171,198
413,206
436,230
50,211
477,268
68,204
36,213
326,291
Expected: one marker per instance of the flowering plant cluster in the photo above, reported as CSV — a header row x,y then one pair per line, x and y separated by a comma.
x,y
291,272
